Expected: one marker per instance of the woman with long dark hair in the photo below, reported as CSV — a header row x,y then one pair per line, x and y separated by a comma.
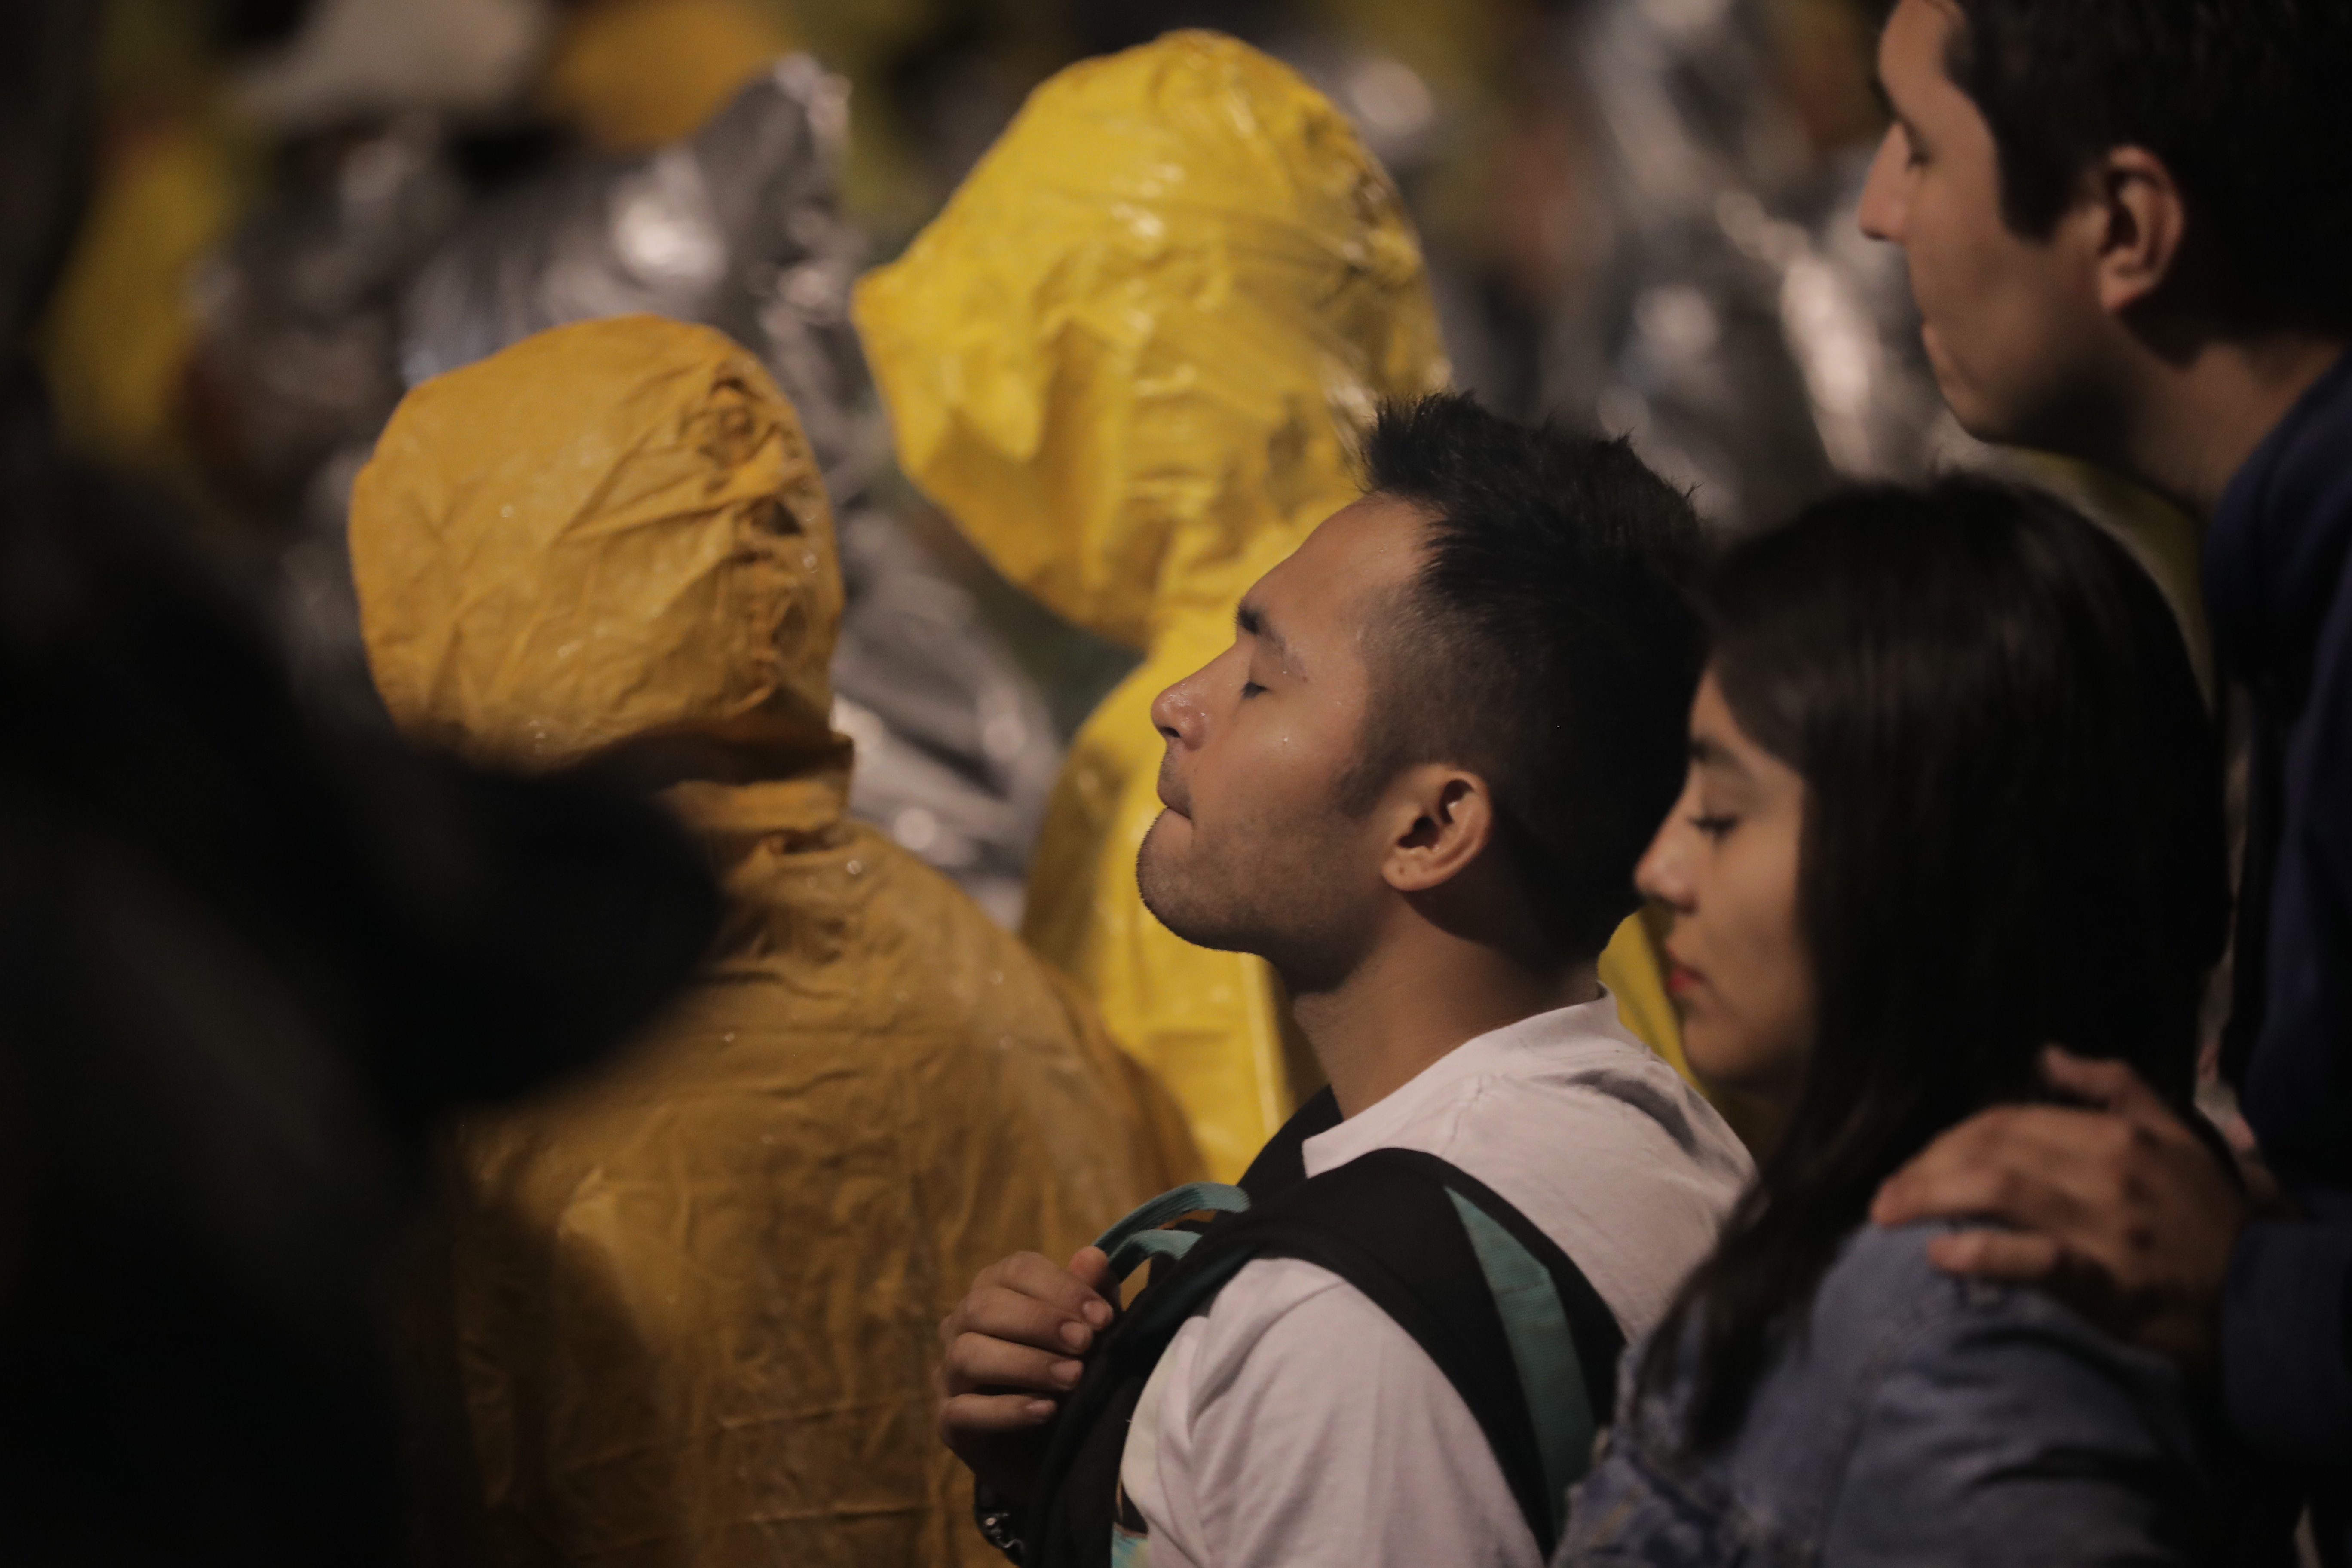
x,y
1954,798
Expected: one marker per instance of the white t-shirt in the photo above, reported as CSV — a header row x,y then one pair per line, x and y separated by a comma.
x,y
1295,1424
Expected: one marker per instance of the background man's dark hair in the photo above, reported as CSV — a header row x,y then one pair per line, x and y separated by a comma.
x,y
2247,103
1546,645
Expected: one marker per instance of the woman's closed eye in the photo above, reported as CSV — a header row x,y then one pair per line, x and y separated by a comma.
x,y
1713,824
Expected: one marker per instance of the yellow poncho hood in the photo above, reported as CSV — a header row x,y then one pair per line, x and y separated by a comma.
x,y
610,533
1131,355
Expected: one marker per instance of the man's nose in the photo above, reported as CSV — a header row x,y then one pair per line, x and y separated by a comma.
x,y
1881,213
1177,712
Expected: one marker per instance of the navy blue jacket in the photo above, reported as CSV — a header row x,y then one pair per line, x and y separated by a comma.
x,y
2278,586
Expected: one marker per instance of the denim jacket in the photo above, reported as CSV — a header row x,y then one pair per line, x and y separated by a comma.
x,y
1916,1419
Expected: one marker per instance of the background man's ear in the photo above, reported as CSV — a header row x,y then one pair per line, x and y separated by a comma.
x,y
2142,222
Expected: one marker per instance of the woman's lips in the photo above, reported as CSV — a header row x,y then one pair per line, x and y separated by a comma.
x,y
1681,979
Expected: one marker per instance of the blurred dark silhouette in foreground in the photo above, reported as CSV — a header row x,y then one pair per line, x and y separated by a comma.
x,y
246,958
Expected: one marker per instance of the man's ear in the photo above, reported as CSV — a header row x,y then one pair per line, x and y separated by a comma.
x,y
1442,818
2140,225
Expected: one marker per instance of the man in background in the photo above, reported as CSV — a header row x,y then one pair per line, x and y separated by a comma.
x,y
2129,231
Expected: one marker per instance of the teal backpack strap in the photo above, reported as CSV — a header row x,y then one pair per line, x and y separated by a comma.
x,y
1542,1347
1138,1236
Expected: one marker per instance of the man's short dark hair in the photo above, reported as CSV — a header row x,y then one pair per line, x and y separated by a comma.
x,y
1546,645
2248,102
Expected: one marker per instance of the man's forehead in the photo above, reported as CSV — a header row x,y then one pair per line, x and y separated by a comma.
x,y
1314,605
1913,45
1372,544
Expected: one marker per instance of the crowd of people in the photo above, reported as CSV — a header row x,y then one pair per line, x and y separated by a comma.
x,y
535,1119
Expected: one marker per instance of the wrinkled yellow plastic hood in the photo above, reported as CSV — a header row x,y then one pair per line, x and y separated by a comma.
x,y
610,532
1131,355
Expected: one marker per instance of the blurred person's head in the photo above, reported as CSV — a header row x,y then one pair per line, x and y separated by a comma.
x,y
249,960
1953,796
2090,191
1459,702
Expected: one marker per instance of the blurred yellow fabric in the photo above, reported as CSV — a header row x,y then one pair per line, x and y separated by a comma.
x,y
695,1294
2163,539
1630,969
115,341
1132,359
172,173
635,74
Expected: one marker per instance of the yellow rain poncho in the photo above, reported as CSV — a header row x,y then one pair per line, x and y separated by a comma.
x,y
1131,359
695,1294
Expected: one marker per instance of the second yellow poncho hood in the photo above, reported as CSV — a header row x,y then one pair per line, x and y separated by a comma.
x,y
1131,355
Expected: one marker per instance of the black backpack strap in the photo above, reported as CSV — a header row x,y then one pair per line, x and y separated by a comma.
x,y
1072,1501
1282,1163
1494,1302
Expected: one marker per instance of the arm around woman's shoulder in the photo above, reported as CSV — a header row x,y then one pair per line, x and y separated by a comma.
x,y
2004,1428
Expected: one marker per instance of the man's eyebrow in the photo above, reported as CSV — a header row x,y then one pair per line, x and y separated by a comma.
x,y
1891,109
1251,620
